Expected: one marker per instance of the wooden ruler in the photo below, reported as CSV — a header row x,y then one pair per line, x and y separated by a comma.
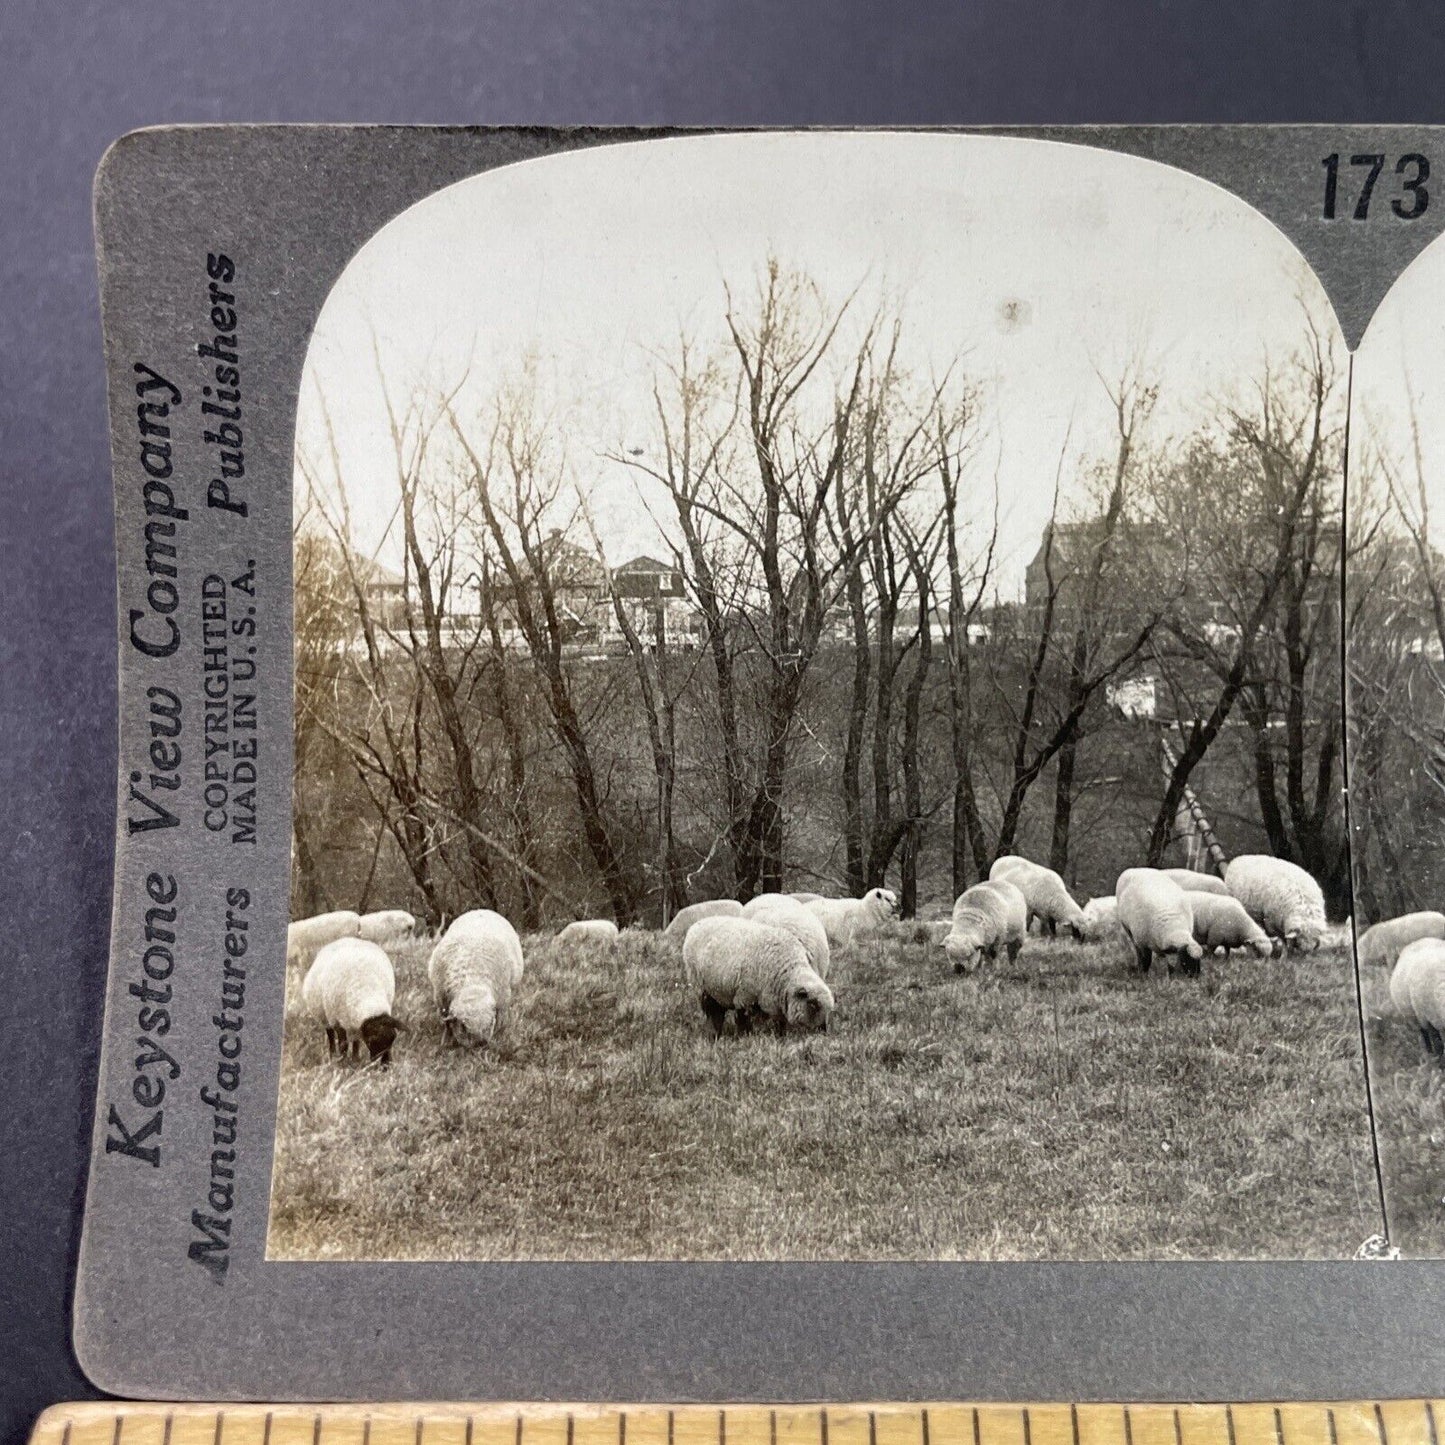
x,y
1349,1422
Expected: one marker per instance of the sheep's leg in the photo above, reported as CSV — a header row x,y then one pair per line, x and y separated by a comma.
x,y
1014,947
717,1015
1434,1044
331,1044
1142,957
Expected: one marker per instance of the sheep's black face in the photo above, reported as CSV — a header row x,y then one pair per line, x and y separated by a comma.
x,y
378,1035
806,1012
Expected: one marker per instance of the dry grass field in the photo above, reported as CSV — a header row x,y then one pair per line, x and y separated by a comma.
x,y
1059,1107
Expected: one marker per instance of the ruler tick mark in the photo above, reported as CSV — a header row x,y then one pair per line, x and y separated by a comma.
x,y
1380,1425
1430,1422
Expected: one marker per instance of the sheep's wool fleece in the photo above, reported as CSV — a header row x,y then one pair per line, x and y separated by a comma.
x,y
1279,896
743,964
780,911
843,917
589,930
1410,983
695,912
351,981
306,935
1156,912
985,916
1101,917
1381,944
1191,880
1427,988
386,924
480,947
1043,889
1221,922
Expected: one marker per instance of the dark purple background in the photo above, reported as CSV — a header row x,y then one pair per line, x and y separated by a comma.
x,y
74,76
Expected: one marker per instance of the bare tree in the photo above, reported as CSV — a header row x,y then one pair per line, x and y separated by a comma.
x,y
1095,620
519,475
1236,509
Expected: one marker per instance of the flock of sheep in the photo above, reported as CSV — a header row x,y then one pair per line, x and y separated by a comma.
x,y
767,962
1412,949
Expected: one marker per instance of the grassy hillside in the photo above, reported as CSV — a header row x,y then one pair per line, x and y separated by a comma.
x,y
1059,1107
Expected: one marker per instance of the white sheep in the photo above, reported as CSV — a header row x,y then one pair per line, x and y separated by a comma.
x,y
1157,915
473,970
805,897
306,935
386,926
1280,896
589,930
1221,922
986,918
844,918
781,911
757,972
713,908
1100,920
1380,944
350,989
1417,989
1191,880
1043,889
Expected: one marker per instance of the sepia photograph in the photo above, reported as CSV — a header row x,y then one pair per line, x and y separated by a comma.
x,y
1395,654
818,724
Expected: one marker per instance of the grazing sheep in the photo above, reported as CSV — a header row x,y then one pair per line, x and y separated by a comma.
x,y
694,912
780,911
1417,988
1221,922
1191,880
1100,920
350,988
756,971
1381,943
844,918
589,930
473,970
307,935
386,925
805,897
1044,892
1157,915
1281,897
986,918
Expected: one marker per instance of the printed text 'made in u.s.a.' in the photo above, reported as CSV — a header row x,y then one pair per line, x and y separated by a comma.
x,y
228,684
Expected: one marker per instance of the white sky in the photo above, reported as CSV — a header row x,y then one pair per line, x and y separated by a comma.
x,y
594,259
1403,356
